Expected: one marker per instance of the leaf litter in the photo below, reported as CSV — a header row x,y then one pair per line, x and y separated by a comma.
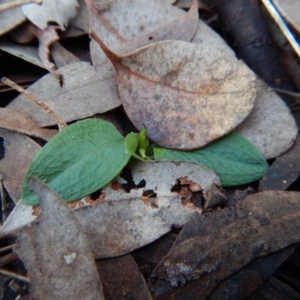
x,y
209,42
56,244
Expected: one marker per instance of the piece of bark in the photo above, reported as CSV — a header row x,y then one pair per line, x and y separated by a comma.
x,y
254,43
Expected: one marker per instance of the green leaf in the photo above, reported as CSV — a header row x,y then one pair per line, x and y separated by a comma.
x,y
233,158
79,160
131,144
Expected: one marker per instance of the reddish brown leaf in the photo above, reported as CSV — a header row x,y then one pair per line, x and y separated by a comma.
x,y
18,153
122,279
19,121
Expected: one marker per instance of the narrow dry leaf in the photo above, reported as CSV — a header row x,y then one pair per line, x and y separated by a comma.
x,y
187,4
19,121
170,85
83,94
46,38
284,171
56,252
266,222
62,56
19,151
272,131
290,11
120,221
274,289
26,52
262,125
60,12
122,279
9,19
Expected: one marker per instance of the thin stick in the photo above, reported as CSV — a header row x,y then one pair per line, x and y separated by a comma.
x,y
273,12
288,93
17,3
31,97
14,275
7,248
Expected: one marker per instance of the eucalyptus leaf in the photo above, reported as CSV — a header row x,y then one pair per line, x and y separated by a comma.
x,y
233,158
80,159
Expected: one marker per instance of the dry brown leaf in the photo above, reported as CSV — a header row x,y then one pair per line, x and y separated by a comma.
x,y
26,52
56,252
185,100
290,10
284,170
19,151
122,279
80,24
60,12
120,221
83,94
262,125
62,56
266,222
9,19
188,3
272,131
19,121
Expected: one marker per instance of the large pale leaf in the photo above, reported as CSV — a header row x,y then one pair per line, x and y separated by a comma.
x,y
170,85
261,127
79,160
232,157
83,94
163,194
49,11
56,252
19,151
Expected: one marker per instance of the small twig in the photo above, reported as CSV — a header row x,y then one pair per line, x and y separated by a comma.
x,y
61,124
9,247
14,275
17,3
8,258
277,18
291,94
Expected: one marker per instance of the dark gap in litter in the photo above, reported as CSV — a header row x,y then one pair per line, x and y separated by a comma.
x,y
149,194
95,196
2,148
127,175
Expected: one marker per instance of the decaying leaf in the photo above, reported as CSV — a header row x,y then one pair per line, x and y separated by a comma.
x,y
122,279
162,194
51,11
261,127
170,85
19,121
289,9
19,151
284,170
26,52
83,94
11,18
62,56
56,252
266,222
